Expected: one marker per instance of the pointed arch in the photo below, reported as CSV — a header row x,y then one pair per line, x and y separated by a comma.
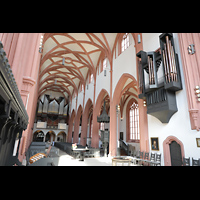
x,y
77,124
71,124
166,149
128,131
63,136
50,136
121,85
96,111
87,110
38,136
113,116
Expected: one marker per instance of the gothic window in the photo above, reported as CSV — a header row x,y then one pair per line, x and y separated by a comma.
x,y
134,122
102,126
91,78
125,42
91,127
82,87
104,63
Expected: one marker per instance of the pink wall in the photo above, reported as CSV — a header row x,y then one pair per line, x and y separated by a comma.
x,y
191,66
22,51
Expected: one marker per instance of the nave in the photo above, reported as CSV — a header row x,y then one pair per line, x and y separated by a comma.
x,y
67,160
54,87
60,157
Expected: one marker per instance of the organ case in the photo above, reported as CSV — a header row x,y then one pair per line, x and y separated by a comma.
x,y
158,85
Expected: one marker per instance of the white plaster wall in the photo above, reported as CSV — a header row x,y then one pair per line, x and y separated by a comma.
x,y
73,105
80,99
150,41
179,124
124,63
89,93
103,82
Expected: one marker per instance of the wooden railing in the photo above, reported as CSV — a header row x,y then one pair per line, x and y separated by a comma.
x,y
124,146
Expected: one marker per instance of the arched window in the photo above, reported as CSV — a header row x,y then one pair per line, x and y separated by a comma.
x,y
125,42
91,78
134,122
104,63
102,126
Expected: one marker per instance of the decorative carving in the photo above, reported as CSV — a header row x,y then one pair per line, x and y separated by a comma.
x,y
194,113
28,82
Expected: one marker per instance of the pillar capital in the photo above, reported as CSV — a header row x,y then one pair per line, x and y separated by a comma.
x,y
28,82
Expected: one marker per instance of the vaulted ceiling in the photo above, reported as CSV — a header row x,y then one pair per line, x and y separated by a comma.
x,y
82,53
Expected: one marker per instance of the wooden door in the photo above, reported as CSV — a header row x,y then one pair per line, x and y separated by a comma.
x,y
175,152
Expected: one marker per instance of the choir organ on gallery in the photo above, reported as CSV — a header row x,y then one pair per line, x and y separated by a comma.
x,y
55,86
51,119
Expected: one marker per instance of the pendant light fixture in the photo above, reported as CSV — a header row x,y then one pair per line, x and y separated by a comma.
x,y
63,61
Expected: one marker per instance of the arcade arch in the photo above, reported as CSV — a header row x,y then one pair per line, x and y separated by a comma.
x,y
38,136
71,126
50,136
61,137
124,90
77,123
86,121
96,112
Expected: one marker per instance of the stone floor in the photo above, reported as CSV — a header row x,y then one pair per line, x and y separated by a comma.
x,y
67,160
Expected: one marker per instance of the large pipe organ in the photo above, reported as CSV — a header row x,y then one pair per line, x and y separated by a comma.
x,y
52,111
158,83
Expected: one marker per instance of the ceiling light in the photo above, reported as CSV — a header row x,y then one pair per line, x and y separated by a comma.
x,y
139,38
63,61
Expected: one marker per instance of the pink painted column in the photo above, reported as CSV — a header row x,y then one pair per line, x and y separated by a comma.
x,y
71,121
143,126
143,120
17,66
191,70
76,125
22,51
95,129
30,59
84,129
31,75
85,123
113,128
96,112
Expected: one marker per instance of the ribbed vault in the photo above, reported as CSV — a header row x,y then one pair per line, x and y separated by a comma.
x,y
82,53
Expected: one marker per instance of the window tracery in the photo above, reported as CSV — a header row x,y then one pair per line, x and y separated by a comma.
x,y
134,122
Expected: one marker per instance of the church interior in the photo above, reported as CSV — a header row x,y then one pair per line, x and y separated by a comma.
x,y
127,97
